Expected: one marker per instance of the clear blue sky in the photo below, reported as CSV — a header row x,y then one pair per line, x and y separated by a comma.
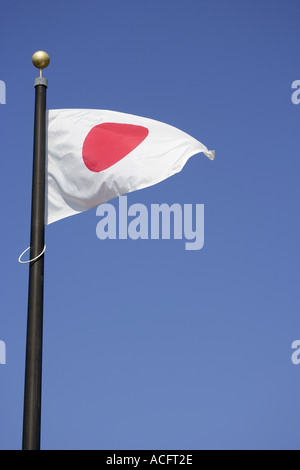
x,y
147,345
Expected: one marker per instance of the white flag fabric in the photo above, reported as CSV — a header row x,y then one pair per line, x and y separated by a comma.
x,y
94,156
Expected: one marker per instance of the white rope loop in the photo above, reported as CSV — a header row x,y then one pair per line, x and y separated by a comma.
x,y
31,260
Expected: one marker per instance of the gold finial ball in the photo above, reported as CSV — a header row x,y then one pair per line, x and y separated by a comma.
x,y
40,59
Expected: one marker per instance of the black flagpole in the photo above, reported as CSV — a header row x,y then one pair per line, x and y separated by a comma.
x,y
33,365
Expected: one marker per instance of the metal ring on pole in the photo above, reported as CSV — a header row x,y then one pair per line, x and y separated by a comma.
x,y
31,260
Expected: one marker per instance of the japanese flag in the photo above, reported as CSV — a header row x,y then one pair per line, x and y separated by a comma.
x,y
96,155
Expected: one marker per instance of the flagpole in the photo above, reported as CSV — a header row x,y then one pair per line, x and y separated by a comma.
x,y
33,364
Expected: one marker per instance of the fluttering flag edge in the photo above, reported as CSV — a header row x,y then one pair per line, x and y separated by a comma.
x,y
201,148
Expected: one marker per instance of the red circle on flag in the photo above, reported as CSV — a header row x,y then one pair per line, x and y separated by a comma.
x,y
109,142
